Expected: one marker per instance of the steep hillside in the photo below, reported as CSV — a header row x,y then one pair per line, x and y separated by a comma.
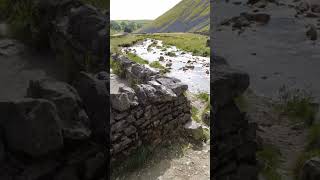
x,y
186,16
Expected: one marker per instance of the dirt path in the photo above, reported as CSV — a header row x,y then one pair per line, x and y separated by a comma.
x,y
188,164
278,131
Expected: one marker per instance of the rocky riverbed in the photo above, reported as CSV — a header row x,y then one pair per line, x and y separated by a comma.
x,y
279,49
191,70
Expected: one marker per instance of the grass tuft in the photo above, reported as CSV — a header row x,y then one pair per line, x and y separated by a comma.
x,y
203,96
297,104
270,157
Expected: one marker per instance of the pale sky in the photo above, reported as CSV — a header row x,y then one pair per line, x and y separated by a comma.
x,y
139,9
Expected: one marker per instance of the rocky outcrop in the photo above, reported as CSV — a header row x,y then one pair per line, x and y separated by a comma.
x,y
73,119
311,169
38,142
77,33
147,111
234,137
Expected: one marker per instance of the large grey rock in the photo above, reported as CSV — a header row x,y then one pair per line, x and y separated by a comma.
x,y
312,33
10,47
172,83
31,126
95,96
140,73
311,170
123,100
227,83
153,92
74,120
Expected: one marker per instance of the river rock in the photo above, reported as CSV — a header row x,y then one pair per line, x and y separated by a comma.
x,y
74,120
311,169
194,130
312,33
37,124
172,83
218,60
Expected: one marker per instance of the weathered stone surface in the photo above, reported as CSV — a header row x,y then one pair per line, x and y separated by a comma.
x,y
194,130
37,122
234,137
311,170
175,84
95,97
227,83
77,29
74,120
125,99
312,33
9,47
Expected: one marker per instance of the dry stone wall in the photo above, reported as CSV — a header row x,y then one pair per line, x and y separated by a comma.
x,y
146,112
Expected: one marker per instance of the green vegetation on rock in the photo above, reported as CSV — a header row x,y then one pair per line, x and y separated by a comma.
x,y
137,59
270,157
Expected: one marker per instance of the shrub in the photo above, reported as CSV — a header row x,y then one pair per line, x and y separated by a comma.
x,y
195,114
298,104
116,68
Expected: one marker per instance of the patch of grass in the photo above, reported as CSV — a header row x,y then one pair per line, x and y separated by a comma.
x,y
137,59
314,137
270,157
305,156
297,104
185,41
116,42
203,96
156,64
116,68
312,149
195,114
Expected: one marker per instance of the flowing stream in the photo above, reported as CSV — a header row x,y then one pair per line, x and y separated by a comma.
x,y
191,70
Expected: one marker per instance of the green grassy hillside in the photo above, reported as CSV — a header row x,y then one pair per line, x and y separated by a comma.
x,y
186,16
